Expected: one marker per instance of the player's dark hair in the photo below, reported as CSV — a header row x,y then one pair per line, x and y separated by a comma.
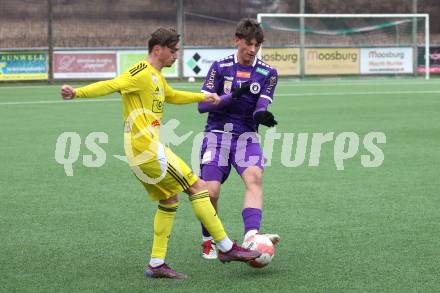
x,y
163,37
249,29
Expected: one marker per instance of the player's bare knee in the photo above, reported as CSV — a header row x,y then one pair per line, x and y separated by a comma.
x,y
214,189
252,178
213,194
197,187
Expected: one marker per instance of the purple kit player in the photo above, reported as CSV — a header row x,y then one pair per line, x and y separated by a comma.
x,y
246,85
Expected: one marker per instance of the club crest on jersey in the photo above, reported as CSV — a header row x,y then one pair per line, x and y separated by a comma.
x,y
243,74
227,86
255,88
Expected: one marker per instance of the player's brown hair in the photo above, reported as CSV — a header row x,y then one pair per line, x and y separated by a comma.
x,y
248,29
163,37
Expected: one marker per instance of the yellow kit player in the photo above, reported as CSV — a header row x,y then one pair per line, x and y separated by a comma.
x,y
144,92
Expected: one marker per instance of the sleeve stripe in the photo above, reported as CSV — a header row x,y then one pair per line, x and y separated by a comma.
x,y
266,97
137,69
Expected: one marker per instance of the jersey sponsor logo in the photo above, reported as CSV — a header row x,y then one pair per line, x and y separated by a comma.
x,y
255,88
262,71
227,64
157,106
137,69
243,74
211,79
272,82
155,123
239,82
227,86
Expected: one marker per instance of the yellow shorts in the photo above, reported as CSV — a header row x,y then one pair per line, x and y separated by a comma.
x,y
166,176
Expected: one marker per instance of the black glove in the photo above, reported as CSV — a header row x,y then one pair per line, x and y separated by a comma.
x,y
243,89
266,118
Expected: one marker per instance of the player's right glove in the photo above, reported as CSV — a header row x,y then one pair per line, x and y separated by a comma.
x,y
266,118
243,89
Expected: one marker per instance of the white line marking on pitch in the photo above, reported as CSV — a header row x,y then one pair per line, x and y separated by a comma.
x,y
59,102
279,95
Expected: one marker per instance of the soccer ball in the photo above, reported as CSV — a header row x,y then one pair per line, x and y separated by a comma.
x,y
191,79
263,245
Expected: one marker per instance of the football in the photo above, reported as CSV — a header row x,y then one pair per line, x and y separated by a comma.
x,y
263,245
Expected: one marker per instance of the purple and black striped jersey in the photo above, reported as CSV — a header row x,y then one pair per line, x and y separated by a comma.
x,y
223,77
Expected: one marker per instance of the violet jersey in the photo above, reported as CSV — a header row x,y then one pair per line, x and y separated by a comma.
x,y
223,77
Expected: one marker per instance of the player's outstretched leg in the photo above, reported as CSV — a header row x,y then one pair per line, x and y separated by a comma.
x,y
209,247
237,253
205,212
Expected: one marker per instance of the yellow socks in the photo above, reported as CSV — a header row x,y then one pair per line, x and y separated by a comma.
x,y
204,211
206,214
163,224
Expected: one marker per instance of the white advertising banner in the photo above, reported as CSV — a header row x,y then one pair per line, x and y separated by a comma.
x,y
386,60
196,62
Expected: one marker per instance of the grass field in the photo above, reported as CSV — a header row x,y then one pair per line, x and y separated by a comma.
x,y
356,230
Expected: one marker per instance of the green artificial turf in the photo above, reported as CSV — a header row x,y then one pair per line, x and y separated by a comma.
x,y
353,230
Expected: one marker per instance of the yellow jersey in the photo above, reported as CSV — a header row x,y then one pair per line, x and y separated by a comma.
x,y
144,93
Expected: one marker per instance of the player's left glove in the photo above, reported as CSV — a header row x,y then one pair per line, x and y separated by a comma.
x,y
266,118
243,89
